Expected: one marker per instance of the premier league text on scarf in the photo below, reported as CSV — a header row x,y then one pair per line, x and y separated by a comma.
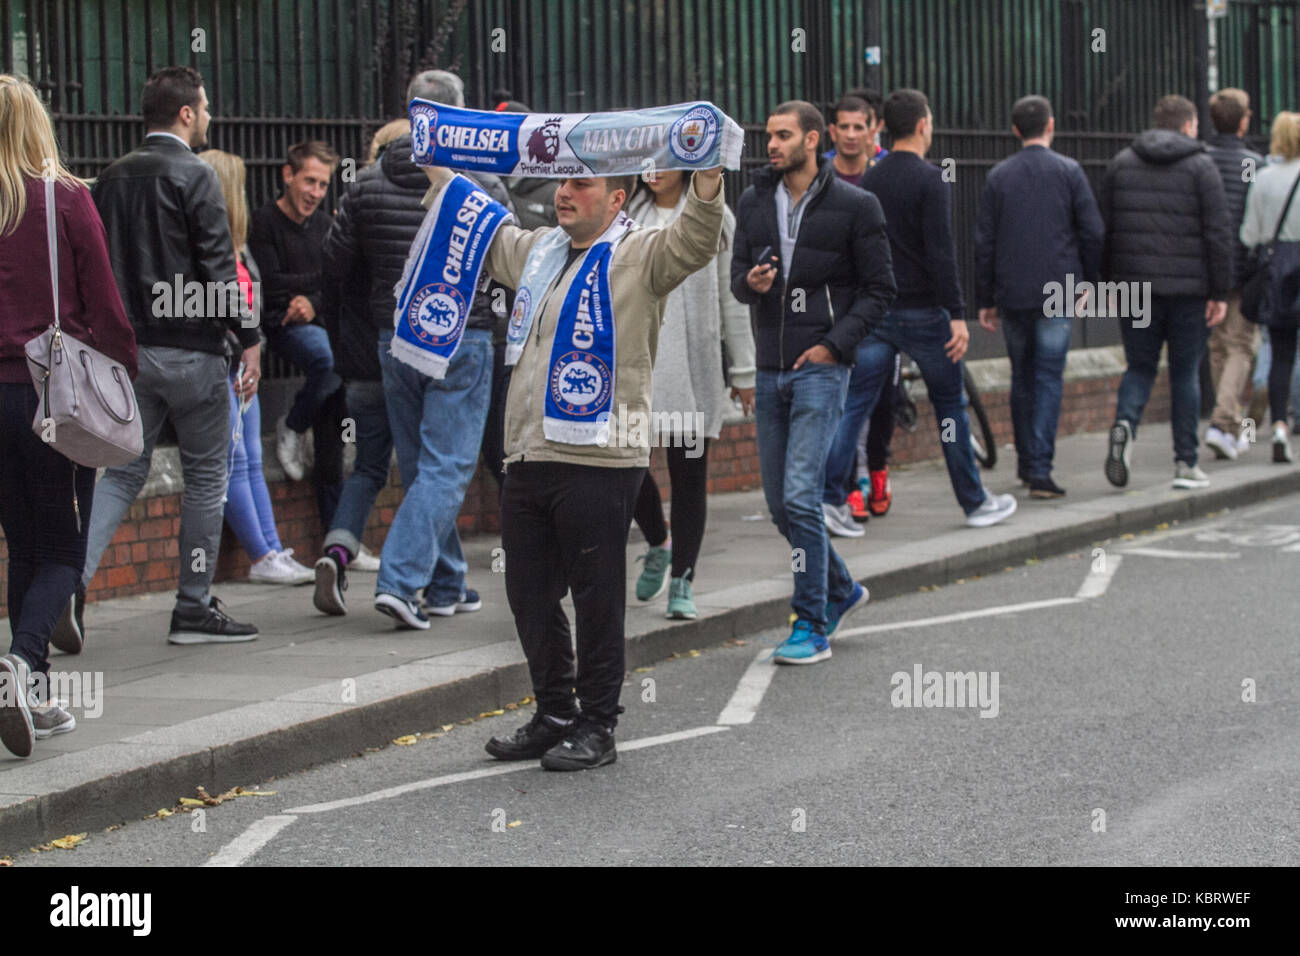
x,y
684,136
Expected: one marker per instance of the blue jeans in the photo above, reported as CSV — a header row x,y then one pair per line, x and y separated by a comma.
x,y
307,347
369,414
1037,347
1180,321
437,427
248,502
797,413
921,333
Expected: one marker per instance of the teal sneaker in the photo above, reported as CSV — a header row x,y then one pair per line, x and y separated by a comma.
x,y
681,602
838,612
803,646
654,576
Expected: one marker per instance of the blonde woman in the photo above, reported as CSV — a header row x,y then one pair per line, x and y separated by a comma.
x,y
45,499
248,502
1264,206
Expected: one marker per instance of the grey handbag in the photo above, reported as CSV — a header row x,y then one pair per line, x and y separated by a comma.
x,y
87,410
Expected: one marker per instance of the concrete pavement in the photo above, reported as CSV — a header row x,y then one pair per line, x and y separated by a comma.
x,y
315,688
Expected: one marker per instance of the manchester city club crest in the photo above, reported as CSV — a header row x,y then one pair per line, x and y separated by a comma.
x,y
580,383
437,314
693,135
522,301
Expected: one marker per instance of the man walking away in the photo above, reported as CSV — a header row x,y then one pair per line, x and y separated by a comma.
x,y
1168,242
166,223
1038,224
1235,341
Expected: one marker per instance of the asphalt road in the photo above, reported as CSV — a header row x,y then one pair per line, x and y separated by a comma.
x,y
1121,731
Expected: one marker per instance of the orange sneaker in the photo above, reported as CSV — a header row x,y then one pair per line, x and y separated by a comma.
x,y
882,495
858,506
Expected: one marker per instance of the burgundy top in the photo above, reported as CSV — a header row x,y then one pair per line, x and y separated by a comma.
x,y
90,308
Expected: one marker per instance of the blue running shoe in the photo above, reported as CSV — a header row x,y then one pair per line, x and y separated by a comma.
x,y
803,646
838,612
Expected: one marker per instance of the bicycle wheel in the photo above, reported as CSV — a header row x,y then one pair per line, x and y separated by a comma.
x,y
981,439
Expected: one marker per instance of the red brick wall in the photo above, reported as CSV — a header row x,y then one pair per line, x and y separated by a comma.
x,y
143,555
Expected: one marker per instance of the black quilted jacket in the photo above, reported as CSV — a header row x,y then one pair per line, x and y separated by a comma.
x,y
378,218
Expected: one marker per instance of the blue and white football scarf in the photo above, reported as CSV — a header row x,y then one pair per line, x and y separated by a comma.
x,y
565,145
441,276
580,371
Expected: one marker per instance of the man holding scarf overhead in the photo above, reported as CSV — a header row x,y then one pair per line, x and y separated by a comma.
x,y
583,335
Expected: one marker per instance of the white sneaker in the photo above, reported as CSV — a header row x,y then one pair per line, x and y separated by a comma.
x,y
839,521
1243,444
365,560
301,573
1282,444
289,450
270,570
1189,476
994,509
1221,443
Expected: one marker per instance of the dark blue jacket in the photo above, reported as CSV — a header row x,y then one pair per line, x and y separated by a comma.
x,y
1038,222
840,283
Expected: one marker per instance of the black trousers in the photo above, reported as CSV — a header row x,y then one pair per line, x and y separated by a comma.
x,y
564,527
690,484
47,551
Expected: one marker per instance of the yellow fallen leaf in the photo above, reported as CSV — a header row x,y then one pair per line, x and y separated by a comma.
x,y
68,842
448,727
406,741
191,802
164,813
694,653
526,700
491,713
642,670
1162,526
512,706
516,823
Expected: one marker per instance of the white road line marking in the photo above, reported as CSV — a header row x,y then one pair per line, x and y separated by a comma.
x,y
749,692
1194,555
262,832
963,616
495,770
1095,584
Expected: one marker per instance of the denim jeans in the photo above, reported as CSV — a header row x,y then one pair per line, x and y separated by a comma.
x,y
307,347
1180,321
47,549
190,388
374,439
1037,347
921,333
248,501
437,428
797,413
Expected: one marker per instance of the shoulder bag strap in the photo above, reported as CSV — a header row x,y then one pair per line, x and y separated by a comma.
x,y
52,238
1285,209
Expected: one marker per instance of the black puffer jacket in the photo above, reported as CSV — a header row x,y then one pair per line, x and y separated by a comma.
x,y
378,218
1237,167
1166,218
840,271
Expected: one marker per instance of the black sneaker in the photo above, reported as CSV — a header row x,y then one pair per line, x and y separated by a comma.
x,y
587,747
532,740
406,613
331,582
70,632
1117,455
1045,488
213,626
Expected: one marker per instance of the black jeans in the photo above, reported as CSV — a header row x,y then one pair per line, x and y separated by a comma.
x,y
689,477
1279,373
47,550
493,448
565,527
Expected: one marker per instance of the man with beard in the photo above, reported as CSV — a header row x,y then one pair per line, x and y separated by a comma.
x,y
809,317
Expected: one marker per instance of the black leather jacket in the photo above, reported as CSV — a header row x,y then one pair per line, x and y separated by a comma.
x,y
165,217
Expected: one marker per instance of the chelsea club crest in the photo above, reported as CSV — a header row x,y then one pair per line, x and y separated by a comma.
x,y
436,314
580,383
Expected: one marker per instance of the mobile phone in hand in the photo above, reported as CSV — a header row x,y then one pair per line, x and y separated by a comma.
x,y
765,256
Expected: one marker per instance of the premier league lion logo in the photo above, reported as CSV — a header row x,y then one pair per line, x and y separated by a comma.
x,y
580,383
544,144
436,314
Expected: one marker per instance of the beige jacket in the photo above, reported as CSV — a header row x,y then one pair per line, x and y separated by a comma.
x,y
647,265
